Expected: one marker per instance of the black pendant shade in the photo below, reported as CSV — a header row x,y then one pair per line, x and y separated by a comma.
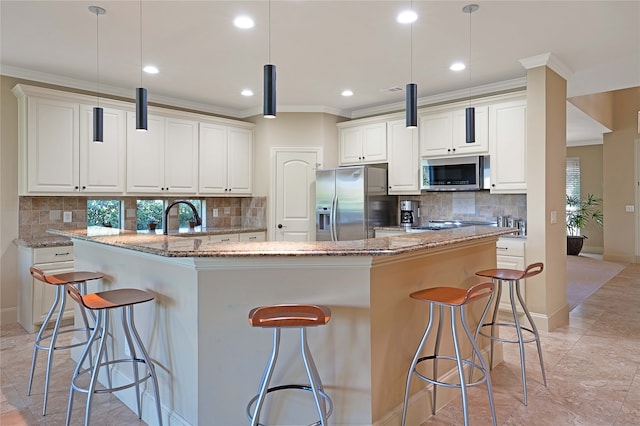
x,y
141,108
412,105
269,102
98,129
470,113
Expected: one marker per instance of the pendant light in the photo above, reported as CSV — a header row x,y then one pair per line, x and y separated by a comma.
x,y
141,92
411,91
269,80
470,112
98,128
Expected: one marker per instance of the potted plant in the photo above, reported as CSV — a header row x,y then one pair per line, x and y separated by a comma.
x,y
152,223
579,214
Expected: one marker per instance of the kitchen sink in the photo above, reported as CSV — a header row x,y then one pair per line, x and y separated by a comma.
x,y
437,225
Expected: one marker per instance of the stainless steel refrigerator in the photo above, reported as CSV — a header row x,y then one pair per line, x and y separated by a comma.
x,y
351,201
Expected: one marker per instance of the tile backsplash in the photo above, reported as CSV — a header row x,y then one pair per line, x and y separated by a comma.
x,y
37,214
477,205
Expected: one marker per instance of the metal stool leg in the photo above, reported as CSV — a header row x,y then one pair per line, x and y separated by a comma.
x,y
316,386
523,367
534,329
413,365
147,360
436,352
52,346
456,347
266,377
96,368
132,351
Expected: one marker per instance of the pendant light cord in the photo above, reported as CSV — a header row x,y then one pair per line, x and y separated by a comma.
x,y
141,43
469,55
97,59
411,47
269,31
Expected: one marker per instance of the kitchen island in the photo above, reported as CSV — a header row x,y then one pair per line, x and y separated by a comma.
x,y
209,359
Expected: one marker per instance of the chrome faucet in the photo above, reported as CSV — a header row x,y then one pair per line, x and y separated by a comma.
x,y
165,215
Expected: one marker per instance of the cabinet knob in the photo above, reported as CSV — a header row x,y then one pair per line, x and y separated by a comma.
x,y
280,226
84,187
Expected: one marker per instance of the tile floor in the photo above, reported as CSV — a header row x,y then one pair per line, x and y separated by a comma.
x,y
592,367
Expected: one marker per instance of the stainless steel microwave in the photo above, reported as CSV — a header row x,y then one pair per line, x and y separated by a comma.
x,y
455,173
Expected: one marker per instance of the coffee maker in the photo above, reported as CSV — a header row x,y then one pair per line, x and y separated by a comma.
x,y
409,212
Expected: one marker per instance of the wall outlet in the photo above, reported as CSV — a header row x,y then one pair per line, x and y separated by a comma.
x,y
67,217
629,209
227,210
215,212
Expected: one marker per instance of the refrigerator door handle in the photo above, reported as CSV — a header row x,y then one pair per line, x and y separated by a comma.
x,y
332,217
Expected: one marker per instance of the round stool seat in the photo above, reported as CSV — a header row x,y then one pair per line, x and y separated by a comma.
x,y
114,298
453,296
47,342
513,278
292,315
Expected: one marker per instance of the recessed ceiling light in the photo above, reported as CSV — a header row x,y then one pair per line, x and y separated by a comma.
x,y
407,17
347,93
243,22
246,92
150,69
457,66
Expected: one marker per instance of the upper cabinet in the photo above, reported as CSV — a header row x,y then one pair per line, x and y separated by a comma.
x,y
508,142
363,144
163,158
57,154
443,132
226,160
404,159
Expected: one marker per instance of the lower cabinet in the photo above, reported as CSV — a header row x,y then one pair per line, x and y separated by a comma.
x,y
510,254
35,297
235,238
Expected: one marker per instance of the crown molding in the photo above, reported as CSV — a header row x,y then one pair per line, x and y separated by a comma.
x,y
473,92
549,60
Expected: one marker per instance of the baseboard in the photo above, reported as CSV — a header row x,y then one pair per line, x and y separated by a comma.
x,y
8,316
550,322
621,259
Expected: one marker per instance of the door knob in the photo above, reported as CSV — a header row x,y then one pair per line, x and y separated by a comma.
x,y
280,226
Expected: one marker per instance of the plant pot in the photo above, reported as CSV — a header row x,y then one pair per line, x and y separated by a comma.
x,y
152,226
574,245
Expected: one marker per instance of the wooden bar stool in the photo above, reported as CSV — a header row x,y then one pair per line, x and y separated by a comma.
x,y
456,299
102,303
296,316
513,277
77,279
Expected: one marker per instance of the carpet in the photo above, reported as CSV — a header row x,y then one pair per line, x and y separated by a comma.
x,y
585,275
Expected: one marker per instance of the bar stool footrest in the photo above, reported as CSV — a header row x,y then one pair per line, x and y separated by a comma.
x,y
447,384
110,390
38,345
505,340
297,387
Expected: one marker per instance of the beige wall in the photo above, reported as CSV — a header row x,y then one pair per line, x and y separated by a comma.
x,y
598,106
591,180
619,177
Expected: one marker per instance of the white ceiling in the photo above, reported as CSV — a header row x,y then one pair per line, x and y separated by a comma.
x,y
320,48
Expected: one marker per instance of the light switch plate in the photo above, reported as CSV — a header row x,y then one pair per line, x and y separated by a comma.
x,y
67,217
215,212
554,216
629,209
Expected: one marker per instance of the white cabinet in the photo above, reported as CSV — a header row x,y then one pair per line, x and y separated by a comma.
x,y
35,297
403,159
510,254
363,144
226,160
507,137
57,152
164,158
248,237
244,237
379,233
443,132
102,165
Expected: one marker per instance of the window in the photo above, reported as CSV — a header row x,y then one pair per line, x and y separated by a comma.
x,y
104,213
573,177
185,214
149,211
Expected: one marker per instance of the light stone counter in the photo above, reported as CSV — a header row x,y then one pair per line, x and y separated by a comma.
x,y
210,361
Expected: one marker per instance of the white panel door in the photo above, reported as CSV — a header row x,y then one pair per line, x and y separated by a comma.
x,y
295,196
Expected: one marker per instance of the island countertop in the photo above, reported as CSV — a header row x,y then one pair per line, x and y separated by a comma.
x,y
196,246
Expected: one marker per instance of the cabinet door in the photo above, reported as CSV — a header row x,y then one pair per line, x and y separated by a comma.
x,y
404,160
251,237
225,238
351,145
481,145
145,155
374,143
52,146
180,155
213,159
507,141
435,134
102,163
240,161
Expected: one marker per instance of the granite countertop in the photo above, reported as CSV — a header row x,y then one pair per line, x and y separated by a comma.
x,y
61,239
192,246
